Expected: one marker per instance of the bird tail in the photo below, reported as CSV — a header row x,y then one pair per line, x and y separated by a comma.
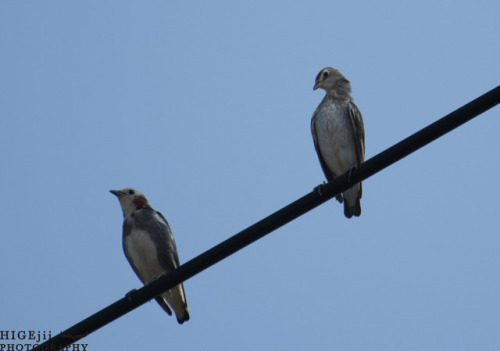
x,y
177,300
354,210
184,318
352,203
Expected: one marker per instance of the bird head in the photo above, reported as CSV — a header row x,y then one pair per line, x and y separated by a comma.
x,y
331,79
131,200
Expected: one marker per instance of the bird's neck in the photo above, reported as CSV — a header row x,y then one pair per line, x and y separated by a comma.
x,y
140,203
131,208
340,91
340,95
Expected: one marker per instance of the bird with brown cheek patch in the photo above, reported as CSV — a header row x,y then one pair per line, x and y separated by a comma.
x,y
150,248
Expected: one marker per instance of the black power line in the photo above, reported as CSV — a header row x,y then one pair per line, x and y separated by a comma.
x,y
275,220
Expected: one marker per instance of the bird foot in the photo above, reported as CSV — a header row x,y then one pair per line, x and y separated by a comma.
x,y
318,189
350,172
129,295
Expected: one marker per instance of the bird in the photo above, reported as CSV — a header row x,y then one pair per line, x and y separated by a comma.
x,y
150,248
339,134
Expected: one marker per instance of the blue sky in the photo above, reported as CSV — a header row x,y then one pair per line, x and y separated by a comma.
x,y
205,107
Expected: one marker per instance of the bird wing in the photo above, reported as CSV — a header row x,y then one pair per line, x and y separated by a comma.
x,y
359,131
329,174
168,256
162,302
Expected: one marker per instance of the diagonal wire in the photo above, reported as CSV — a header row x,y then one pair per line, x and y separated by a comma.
x,y
288,213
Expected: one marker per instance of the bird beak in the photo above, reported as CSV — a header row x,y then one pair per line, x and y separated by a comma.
x,y
316,86
118,193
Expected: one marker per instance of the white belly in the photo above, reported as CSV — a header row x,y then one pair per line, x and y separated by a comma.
x,y
142,254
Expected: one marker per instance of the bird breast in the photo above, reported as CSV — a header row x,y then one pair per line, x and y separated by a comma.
x,y
335,138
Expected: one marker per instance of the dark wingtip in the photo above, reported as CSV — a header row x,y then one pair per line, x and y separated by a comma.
x,y
161,301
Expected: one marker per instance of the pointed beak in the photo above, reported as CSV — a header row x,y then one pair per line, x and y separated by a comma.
x,y
118,193
316,86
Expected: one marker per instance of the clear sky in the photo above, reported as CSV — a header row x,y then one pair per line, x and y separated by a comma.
x,y
205,107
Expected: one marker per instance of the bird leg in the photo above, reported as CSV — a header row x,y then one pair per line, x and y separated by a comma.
x,y
339,198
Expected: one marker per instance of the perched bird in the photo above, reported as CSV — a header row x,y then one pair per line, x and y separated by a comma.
x,y
338,134
150,248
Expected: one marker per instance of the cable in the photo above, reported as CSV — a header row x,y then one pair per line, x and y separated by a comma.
x,y
288,213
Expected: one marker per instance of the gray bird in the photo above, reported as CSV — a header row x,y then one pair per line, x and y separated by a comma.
x,y
150,248
338,134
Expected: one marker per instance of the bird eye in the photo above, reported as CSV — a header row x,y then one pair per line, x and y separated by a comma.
x,y
131,192
325,74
